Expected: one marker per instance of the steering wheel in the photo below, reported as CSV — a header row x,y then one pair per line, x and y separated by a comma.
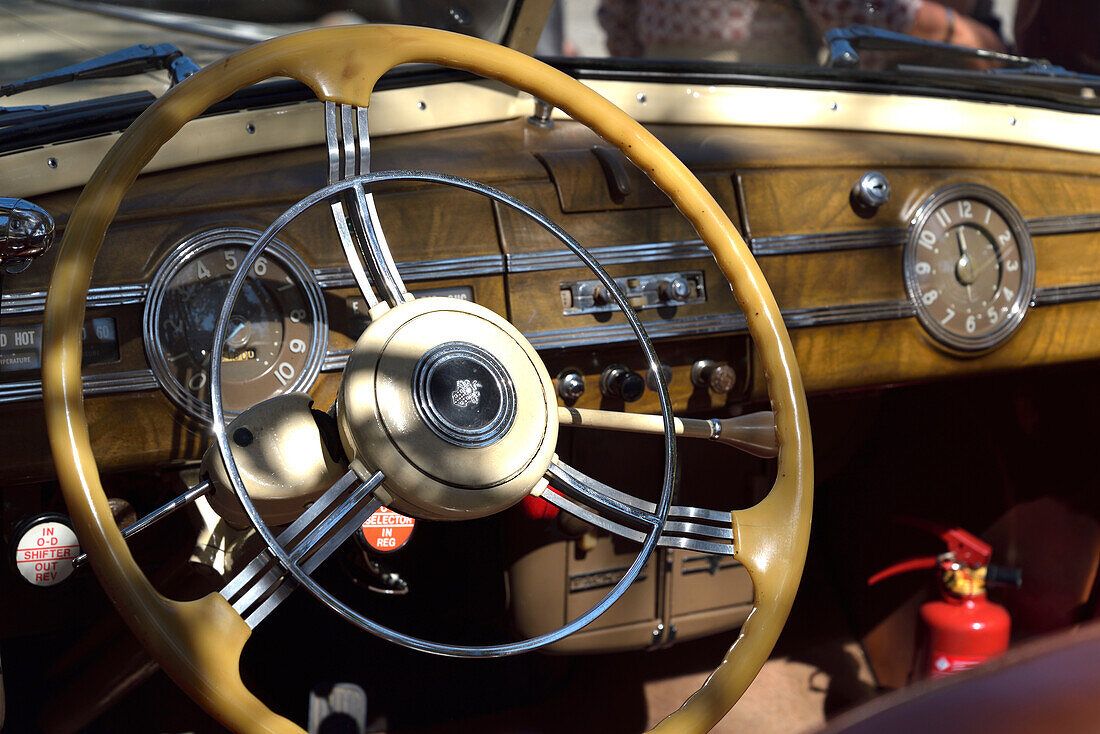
x,y
199,643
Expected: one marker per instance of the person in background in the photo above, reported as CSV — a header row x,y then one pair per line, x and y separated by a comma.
x,y
750,31
951,21
1066,33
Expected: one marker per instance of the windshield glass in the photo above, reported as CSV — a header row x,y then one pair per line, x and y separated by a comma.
x,y
909,40
47,35
793,31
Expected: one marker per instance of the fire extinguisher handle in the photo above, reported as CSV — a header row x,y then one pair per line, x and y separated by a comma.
x,y
912,564
1004,576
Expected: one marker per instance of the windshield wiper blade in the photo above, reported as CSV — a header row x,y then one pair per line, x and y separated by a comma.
x,y
844,42
127,62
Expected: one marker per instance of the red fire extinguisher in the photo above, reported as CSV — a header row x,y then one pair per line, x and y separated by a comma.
x,y
962,628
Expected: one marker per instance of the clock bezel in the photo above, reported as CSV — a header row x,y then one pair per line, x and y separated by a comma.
x,y
944,337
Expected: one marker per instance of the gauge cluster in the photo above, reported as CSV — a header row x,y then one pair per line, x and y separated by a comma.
x,y
969,267
277,333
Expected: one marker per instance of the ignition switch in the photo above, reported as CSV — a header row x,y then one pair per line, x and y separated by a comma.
x,y
871,191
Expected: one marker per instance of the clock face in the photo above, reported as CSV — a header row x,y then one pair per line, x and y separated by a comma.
x,y
969,267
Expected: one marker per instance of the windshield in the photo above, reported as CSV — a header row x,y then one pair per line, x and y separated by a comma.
x,y
793,31
51,34
906,41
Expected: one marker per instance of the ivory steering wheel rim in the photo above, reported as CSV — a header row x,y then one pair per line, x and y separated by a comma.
x,y
199,643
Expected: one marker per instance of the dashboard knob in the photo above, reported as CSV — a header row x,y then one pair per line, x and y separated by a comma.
x,y
600,296
675,289
719,378
570,385
619,381
651,378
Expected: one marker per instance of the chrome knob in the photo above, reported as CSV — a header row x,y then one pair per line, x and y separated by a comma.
x,y
675,289
619,381
651,377
570,385
26,231
719,378
871,191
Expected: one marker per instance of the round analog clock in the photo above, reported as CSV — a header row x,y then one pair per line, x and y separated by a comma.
x,y
969,267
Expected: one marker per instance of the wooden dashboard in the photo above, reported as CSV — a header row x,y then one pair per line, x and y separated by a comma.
x,y
836,275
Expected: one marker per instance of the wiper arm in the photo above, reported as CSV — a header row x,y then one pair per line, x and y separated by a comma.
x,y
844,42
1016,70
127,62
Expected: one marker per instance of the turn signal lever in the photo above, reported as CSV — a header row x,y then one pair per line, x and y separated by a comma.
x,y
753,433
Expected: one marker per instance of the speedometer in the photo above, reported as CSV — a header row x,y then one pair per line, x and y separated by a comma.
x,y
277,333
969,267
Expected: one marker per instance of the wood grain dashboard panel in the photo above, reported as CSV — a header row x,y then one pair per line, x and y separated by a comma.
x,y
836,275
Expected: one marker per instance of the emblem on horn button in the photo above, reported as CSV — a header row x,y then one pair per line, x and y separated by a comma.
x,y
467,393
464,394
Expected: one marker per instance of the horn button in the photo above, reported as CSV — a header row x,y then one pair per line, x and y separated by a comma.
x,y
452,404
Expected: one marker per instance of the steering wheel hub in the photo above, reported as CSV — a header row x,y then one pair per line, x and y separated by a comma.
x,y
464,394
451,403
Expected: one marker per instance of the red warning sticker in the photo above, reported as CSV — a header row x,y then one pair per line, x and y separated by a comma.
x,y
387,531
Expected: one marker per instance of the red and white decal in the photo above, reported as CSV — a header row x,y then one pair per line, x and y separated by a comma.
x,y
944,664
386,531
45,553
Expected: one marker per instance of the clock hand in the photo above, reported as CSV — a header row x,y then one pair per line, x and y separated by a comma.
x,y
968,264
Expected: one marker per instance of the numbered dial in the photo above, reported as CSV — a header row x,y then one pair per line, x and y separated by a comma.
x,y
276,335
969,267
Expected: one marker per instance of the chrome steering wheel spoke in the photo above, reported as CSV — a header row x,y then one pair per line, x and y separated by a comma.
x,y
353,209
308,541
275,573
690,528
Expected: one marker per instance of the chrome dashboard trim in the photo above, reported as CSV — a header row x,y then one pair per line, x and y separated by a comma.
x,y
732,323
35,302
792,244
1064,225
132,381
335,360
1054,295
853,240
418,270
526,262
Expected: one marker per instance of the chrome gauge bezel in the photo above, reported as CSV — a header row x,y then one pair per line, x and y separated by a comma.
x,y
195,246
950,340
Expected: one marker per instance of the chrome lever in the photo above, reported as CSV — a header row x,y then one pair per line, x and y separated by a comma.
x,y
199,490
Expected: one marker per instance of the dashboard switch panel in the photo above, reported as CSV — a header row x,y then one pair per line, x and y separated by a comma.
x,y
659,290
